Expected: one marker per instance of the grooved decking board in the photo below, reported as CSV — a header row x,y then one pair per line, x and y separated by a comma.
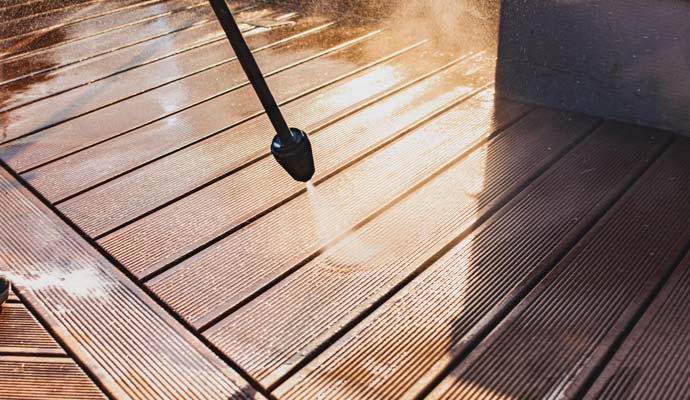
x,y
34,62
146,245
183,171
653,361
21,333
92,166
33,51
349,277
25,88
86,98
133,348
204,82
32,378
78,22
237,269
31,8
395,352
557,337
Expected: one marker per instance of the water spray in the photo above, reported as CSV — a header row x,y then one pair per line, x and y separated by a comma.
x,y
290,146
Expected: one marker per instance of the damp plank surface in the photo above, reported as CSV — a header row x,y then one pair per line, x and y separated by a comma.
x,y
33,365
131,345
21,333
452,244
652,361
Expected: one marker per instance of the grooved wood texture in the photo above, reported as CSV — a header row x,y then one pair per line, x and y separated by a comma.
x,y
652,361
553,341
21,333
134,349
33,378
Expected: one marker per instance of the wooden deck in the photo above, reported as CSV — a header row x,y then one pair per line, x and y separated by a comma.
x,y
456,245
33,365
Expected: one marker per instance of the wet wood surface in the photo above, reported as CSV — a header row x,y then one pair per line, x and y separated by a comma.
x,y
453,244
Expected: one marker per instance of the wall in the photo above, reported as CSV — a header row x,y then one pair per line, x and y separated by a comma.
x,y
622,59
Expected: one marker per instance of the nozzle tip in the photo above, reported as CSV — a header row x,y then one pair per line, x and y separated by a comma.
x,y
295,156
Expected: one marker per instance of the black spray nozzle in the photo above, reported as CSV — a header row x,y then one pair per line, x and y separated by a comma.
x,y
294,155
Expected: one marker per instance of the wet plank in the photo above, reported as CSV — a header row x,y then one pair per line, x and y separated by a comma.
x,y
31,378
146,41
335,146
134,348
208,160
437,314
32,8
31,52
552,342
368,266
350,198
20,333
132,81
67,52
652,361
228,106
76,22
166,97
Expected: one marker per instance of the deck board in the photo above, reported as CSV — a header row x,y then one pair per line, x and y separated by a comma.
x,y
132,346
209,160
352,197
33,57
553,341
374,261
440,312
20,333
75,22
33,365
112,158
31,378
453,244
37,76
86,98
652,361
193,80
269,185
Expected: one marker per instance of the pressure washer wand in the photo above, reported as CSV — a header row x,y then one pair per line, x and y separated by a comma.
x,y
290,146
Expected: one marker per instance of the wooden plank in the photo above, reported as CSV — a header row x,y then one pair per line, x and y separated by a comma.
x,y
263,185
652,361
350,198
76,22
33,8
403,345
28,80
211,159
89,96
19,3
619,59
198,83
375,261
20,333
36,46
555,340
31,378
294,70
133,348
23,65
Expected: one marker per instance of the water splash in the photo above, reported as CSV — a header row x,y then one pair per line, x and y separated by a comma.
x,y
331,223
79,282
